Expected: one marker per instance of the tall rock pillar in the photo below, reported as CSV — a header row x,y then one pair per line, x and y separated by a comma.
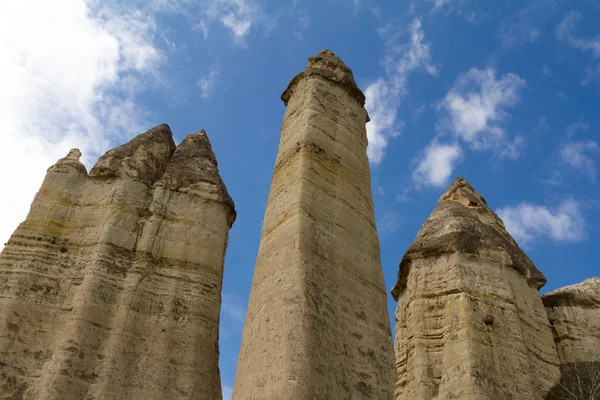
x,y
470,323
111,288
317,324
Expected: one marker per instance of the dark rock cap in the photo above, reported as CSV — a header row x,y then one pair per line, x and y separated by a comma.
x,y
584,294
69,163
143,159
462,222
329,66
194,168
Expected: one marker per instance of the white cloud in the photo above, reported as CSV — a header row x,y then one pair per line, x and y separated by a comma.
x,y
239,16
437,163
528,222
546,71
239,26
209,82
227,392
577,155
69,74
476,106
513,149
389,223
384,96
565,31
233,307
440,3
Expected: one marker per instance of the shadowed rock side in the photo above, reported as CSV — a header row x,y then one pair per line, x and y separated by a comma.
x,y
470,323
317,324
110,289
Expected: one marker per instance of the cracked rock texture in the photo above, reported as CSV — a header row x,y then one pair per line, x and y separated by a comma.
x,y
470,323
574,312
111,288
317,326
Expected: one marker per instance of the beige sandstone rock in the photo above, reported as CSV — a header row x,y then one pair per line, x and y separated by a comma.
x,y
470,323
574,312
111,288
317,324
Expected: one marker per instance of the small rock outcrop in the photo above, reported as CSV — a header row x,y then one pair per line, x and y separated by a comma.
x,y
317,325
574,313
470,323
111,288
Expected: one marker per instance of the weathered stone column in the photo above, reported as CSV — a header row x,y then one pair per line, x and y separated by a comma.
x,y
470,323
111,287
574,314
317,325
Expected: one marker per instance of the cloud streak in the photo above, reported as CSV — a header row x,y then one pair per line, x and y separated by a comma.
x,y
384,96
437,163
68,87
528,222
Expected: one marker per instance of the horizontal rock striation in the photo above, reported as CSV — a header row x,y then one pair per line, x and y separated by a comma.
x,y
111,288
470,323
317,326
574,313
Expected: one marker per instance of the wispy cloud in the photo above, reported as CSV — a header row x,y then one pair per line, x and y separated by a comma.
x,y
528,222
389,223
477,105
233,307
578,155
209,82
227,392
238,16
437,163
68,87
565,31
472,112
384,96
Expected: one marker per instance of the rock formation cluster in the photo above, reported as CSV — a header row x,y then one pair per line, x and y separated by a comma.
x,y
111,287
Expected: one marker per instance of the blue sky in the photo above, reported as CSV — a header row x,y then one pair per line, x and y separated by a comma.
x,y
503,93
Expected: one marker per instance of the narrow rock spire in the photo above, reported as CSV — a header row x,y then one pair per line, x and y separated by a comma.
x,y
193,168
69,163
143,159
317,325
470,323
463,222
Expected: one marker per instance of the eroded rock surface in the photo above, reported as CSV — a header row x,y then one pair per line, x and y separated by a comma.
x,y
317,324
470,323
110,289
574,312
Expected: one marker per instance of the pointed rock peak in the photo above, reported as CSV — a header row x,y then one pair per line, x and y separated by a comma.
x,y
327,65
69,163
194,169
463,193
143,159
586,293
463,223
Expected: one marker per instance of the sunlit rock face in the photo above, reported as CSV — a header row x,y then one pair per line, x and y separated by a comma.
x,y
110,289
574,313
470,323
317,326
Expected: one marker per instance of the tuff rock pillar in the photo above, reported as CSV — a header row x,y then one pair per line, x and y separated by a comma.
x,y
470,323
317,324
111,288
